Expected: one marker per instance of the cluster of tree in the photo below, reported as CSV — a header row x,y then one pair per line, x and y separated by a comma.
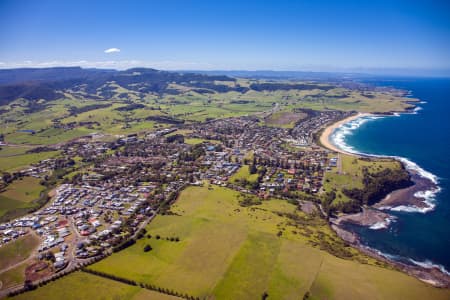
x,y
40,149
166,201
131,107
57,174
170,239
220,88
350,206
201,91
242,101
327,200
274,86
253,168
124,244
75,110
193,154
246,200
142,285
29,91
110,276
9,178
176,138
141,232
164,119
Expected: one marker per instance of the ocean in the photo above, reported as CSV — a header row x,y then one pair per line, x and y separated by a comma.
x,y
422,140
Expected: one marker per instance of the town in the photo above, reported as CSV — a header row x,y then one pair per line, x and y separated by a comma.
x,y
123,183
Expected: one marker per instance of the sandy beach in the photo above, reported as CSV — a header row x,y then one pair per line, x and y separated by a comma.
x,y
325,137
374,217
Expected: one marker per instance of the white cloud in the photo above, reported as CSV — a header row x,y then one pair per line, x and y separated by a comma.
x,y
112,50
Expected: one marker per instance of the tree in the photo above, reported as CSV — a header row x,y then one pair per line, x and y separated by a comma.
x,y
147,248
253,169
7,177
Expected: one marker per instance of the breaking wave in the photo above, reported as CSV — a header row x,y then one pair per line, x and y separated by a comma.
x,y
383,224
338,139
426,264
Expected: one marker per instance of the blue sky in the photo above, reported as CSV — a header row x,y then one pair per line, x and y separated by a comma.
x,y
252,35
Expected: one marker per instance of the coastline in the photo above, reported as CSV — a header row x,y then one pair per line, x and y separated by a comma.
x,y
411,199
416,198
432,275
329,130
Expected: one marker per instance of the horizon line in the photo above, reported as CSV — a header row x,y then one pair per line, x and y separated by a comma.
x,y
391,71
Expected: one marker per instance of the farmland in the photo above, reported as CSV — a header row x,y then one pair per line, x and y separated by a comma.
x,y
117,108
81,285
224,174
284,119
20,194
12,277
17,251
235,252
10,163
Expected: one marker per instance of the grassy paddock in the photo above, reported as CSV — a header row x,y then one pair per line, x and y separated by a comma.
x,y
80,285
18,250
9,164
243,174
26,189
13,277
20,194
284,119
231,252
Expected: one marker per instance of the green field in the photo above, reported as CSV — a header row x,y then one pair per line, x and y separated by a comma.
x,y
20,194
80,285
18,250
10,163
243,174
25,189
231,252
194,141
7,151
13,277
284,119
351,174
187,105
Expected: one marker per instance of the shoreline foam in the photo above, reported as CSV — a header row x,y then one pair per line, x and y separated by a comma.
x,y
333,138
329,130
425,271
